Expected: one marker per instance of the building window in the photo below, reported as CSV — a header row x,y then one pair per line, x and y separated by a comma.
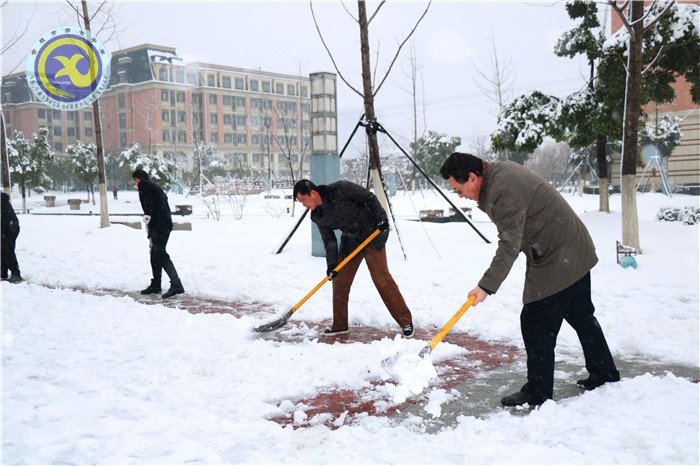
x,y
180,96
166,136
255,103
213,118
212,99
71,132
304,91
70,115
164,95
56,114
166,115
181,136
256,158
253,85
255,139
88,132
281,105
122,139
292,107
211,79
228,119
56,130
214,137
121,98
163,74
122,121
240,101
241,138
228,138
192,79
42,113
281,158
279,88
227,82
58,147
266,86
291,89
305,108
240,119
228,100
240,84
180,75
180,116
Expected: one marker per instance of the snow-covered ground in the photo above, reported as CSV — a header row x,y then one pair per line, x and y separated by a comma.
x,y
99,379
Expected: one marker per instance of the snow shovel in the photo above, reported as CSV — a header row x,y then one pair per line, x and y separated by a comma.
x,y
282,321
448,326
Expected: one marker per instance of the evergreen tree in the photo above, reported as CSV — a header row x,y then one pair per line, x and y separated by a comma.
x,y
432,149
29,161
160,171
84,164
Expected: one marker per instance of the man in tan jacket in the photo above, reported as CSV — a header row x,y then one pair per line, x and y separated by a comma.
x,y
533,218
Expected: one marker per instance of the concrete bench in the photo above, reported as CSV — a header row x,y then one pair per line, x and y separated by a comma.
x,y
50,201
431,213
183,209
74,204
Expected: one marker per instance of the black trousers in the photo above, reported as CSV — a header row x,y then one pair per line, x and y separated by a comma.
x,y
540,323
160,259
8,260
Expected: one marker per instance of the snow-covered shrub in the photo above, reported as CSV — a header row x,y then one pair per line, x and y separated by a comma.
x,y
688,215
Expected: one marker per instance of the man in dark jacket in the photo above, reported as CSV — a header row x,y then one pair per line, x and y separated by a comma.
x,y
159,224
10,232
357,213
532,217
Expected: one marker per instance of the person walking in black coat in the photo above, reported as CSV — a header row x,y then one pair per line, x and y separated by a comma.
x,y
357,213
159,224
10,232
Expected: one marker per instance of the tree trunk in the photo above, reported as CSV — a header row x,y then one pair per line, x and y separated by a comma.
x,y
102,184
24,197
374,165
602,162
630,221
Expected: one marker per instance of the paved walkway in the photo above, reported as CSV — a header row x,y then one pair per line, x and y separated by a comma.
x,y
476,381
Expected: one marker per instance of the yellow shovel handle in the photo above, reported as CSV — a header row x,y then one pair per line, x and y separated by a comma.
x,y
448,326
337,268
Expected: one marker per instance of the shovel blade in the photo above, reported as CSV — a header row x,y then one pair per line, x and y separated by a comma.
x,y
274,325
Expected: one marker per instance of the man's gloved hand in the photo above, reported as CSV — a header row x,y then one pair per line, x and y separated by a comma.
x,y
146,219
329,271
383,225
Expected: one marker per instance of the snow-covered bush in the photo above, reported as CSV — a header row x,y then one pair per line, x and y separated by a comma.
x,y
688,215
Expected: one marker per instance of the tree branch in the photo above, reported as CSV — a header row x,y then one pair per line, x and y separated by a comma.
x,y
348,11
329,52
401,46
656,20
621,14
375,12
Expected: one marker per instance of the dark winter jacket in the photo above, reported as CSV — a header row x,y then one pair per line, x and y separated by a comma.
x,y
532,217
10,223
354,211
154,202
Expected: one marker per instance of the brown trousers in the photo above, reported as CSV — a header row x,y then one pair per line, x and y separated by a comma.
x,y
386,286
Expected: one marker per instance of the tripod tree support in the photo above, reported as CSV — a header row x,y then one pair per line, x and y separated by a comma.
x,y
459,211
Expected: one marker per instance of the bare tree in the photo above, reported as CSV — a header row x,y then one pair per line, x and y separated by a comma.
x,y
551,160
480,147
415,78
496,82
370,86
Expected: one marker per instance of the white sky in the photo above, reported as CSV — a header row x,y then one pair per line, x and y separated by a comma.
x,y
451,42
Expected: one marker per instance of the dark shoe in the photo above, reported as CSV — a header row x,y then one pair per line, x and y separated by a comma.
x,y
153,288
329,332
174,289
520,398
15,278
408,331
595,381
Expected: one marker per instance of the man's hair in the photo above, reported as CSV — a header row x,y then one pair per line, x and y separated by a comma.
x,y
459,165
303,187
140,174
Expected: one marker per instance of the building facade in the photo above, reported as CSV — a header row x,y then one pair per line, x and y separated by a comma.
x,y
259,121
